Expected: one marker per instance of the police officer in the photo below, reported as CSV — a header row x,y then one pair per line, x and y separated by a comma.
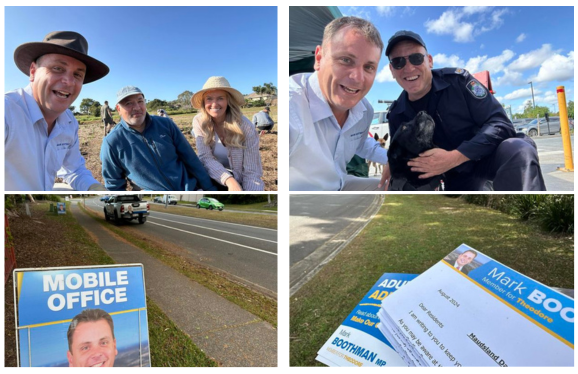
x,y
477,142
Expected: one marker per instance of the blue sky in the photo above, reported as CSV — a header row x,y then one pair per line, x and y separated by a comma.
x,y
162,50
515,44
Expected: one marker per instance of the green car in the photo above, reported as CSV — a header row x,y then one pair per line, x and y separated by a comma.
x,y
210,203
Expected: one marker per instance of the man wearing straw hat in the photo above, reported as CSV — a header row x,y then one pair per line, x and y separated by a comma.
x,y
150,151
41,134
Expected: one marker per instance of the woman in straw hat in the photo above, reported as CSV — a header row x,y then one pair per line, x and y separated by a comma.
x,y
227,142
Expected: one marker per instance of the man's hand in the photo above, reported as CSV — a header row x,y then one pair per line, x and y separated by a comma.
x,y
385,178
233,185
436,161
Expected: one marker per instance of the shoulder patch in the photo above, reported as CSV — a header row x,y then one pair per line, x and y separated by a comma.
x,y
477,89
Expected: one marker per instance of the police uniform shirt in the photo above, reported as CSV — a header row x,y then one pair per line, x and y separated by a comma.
x,y
467,117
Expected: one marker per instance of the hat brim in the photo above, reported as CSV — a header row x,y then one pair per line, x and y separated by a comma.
x,y
26,53
197,99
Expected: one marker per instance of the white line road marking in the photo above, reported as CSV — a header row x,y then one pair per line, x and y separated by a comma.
x,y
208,228
220,240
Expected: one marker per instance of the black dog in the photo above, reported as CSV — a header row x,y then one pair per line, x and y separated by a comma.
x,y
411,139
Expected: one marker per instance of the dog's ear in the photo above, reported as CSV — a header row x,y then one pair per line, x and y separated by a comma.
x,y
376,137
385,137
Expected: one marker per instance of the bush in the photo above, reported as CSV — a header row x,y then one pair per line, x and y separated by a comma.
x,y
556,214
526,206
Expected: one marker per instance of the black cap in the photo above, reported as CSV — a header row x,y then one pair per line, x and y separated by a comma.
x,y
400,36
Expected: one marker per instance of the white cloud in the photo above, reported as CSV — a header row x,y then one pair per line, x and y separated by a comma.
x,y
442,61
521,38
476,9
496,20
556,68
384,75
358,12
386,11
474,63
449,24
520,94
549,97
510,78
497,63
532,59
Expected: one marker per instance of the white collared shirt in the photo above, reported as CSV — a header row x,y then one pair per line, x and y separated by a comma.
x,y
32,157
319,149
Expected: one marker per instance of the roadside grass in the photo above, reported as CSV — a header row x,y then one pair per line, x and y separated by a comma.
x,y
51,240
259,220
252,301
409,235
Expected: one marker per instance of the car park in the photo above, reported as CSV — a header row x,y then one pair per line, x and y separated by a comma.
x,y
210,204
545,127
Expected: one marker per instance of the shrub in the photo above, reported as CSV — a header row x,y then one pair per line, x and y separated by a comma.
x,y
556,213
525,206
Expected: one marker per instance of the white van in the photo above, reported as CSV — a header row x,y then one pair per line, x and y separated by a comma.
x,y
380,126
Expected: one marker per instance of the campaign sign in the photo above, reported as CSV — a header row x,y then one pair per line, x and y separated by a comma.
x,y
358,341
61,208
81,316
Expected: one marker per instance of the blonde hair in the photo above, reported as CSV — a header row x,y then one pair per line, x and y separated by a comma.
x,y
234,136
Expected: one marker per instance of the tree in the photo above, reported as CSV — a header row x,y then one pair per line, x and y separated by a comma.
x,y
270,89
155,104
71,108
95,109
184,99
259,89
85,105
570,109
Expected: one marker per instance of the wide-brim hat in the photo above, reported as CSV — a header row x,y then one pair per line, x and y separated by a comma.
x,y
216,83
67,43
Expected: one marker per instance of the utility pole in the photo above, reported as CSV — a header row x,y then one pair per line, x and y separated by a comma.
x,y
532,87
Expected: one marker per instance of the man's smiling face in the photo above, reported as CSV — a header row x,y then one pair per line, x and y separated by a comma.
x,y
346,67
416,80
56,82
92,345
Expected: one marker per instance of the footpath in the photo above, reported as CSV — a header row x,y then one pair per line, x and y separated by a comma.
x,y
224,331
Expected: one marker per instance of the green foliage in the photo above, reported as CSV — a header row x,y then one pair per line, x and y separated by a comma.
x,y
570,109
155,104
556,214
258,103
86,104
184,99
533,112
95,109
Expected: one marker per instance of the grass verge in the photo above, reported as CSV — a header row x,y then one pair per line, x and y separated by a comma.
x,y
259,220
252,301
409,235
50,240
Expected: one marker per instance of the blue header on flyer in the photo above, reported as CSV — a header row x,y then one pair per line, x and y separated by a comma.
x,y
364,315
547,307
60,294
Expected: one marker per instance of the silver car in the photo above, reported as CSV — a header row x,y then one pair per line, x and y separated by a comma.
x,y
531,128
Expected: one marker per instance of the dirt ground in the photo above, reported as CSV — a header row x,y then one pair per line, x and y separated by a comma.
x,y
91,133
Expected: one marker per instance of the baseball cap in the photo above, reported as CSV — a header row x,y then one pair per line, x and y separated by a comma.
x,y
400,36
127,91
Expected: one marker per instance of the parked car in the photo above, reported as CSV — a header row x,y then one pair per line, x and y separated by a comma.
x,y
531,128
210,203
161,199
105,198
126,207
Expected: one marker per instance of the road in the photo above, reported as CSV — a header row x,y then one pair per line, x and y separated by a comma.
x,y
551,154
322,225
247,253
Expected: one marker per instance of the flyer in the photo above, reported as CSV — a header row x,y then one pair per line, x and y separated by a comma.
x,y
81,316
470,310
358,341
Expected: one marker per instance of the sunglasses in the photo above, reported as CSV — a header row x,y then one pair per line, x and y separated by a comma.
x,y
415,59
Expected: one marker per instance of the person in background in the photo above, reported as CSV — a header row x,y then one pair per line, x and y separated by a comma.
x,y
263,121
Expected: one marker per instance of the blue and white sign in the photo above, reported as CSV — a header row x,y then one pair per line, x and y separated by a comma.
x,y
82,316
61,208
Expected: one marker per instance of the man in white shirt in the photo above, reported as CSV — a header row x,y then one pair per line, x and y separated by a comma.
x,y
329,116
41,134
